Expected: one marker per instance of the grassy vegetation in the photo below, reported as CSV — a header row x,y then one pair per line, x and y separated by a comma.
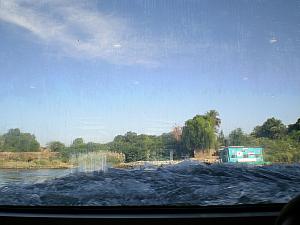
x,y
35,164
54,160
280,151
199,134
94,160
32,160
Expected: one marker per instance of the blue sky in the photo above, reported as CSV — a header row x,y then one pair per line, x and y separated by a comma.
x,y
95,69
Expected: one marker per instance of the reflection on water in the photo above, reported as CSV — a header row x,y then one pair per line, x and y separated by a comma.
x,y
12,176
86,162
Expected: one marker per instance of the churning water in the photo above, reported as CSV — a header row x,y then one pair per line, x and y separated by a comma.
x,y
187,183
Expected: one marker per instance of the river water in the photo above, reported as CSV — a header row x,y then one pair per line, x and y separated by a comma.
x,y
21,177
187,183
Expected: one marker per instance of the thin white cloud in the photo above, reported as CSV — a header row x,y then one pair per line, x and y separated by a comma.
x,y
117,45
273,40
79,31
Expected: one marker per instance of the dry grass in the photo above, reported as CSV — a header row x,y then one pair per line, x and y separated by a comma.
x,y
31,160
27,156
34,164
46,160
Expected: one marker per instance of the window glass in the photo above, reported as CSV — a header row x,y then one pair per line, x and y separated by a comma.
x,y
149,102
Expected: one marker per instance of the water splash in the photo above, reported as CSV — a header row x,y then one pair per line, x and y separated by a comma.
x,y
91,161
186,183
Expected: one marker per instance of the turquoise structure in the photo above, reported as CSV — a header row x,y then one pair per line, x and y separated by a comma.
x,y
241,154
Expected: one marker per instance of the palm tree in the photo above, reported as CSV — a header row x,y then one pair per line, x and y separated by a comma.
x,y
213,115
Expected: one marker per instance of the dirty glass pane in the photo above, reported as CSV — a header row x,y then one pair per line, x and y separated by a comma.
x,y
149,102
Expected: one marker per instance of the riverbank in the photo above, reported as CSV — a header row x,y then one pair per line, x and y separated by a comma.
x,y
34,164
32,160
53,160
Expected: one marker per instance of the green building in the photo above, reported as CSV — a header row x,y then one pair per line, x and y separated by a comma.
x,y
241,154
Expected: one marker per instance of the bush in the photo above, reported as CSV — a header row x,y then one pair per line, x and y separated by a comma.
x,y
282,150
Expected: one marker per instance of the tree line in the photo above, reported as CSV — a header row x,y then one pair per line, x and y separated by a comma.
x,y
16,141
200,133
281,142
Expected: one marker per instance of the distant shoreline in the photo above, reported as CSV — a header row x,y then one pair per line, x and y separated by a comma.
x,y
35,165
52,160
32,160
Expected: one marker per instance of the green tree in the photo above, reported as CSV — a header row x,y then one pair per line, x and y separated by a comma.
x,y
15,140
56,146
2,143
91,147
295,135
77,142
294,126
170,142
294,130
236,137
213,116
199,133
77,146
221,139
142,147
272,128
127,144
280,150
175,140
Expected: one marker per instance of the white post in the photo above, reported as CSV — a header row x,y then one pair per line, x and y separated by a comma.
x,y
171,155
